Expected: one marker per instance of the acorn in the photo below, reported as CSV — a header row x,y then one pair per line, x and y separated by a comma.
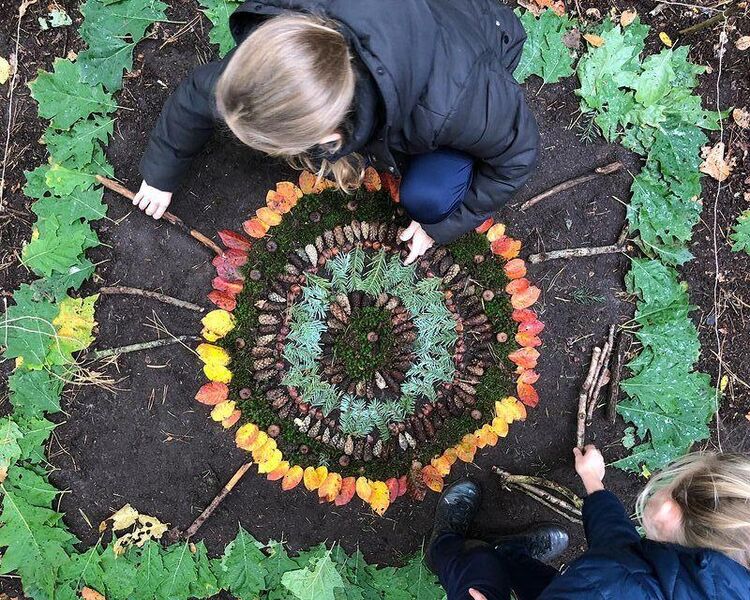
x,y
271,246
304,449
314,216
502,337
479,259
476,414
255,275
273,431
240,343
351,206
344,460
245,393
488,295
372,337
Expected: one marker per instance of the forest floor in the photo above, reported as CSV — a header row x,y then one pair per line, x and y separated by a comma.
x,y
144,443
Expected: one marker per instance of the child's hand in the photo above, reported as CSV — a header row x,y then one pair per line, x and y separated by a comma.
x,y
152,201
419,241
590,468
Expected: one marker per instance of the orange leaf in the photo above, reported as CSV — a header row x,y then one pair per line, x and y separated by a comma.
x,y
525,298
490,438
330,487
527,394
222,300
314,477
278,203
517,285
346,493
309,184
231,419
255,227
450,455
500,426
528,340
529,376
442,465
391,184
371,180
88,593
212,393
230,288
246,435
364,489
465,451
268,216
525,357
279,472
506,247
232,239
595,40
257,442
380,498
392,484
534,327
496,232
523,315
290,191
432,479
292,478
515,268
485,226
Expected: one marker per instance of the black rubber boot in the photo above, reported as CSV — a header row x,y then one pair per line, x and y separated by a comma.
x,y
544,542
455,511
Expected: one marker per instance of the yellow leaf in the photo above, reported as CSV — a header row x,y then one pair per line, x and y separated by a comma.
x,y
123,518
213,355
73,324
262,453
217,373
442,464
272,462
500,426
380,498
259,441
627,17
223,410
364,488
496,232
723,383
217,324
4,70
268,216
330,487
509,410
246,435
595,40
314,477
665,39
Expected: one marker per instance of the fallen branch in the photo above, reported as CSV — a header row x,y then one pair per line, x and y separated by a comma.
x,y
584,395
118,289
99,354
710,21
554,496
168,216
216,501
576,253
602,376
571,183
623,347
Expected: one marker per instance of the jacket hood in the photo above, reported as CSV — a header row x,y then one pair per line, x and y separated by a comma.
x,y
394,39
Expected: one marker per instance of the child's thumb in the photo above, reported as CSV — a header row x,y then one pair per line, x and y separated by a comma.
x,y
408,233
476,595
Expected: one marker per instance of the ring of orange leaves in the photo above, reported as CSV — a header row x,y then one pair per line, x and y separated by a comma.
x,y
329,485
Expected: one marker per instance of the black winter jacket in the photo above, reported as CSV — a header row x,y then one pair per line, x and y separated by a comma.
x,y
620,565
441,72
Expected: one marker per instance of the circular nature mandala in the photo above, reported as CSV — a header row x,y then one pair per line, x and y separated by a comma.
x,y
351,372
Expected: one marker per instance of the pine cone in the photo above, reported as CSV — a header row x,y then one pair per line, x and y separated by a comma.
x,y
349,233
261,351
338,234
268,319
365,226
356,229
451,274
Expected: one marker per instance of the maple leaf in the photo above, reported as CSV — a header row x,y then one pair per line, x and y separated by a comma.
x,y
64,99
75,147
56,247
79,204
27,327
218,12
528,339
319,580
73,324
544,52
241,570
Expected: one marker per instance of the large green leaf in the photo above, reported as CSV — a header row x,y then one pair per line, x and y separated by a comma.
x,y
741,233
56,246
218,12
10,451
319,580
32,393
75,147
544,53
79,204
241,570
26,329
180,573
64,99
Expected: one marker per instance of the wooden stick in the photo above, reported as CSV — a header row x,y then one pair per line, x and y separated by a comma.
x,y
139,346
583,397
171,218
569,506
623,346
540,482
119,289
710,21
601,376
571,183
216,501
576,252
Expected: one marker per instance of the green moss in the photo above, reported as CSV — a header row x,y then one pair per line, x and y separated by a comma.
x,y
360,356
465,248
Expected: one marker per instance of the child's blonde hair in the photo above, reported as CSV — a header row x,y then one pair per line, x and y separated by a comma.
x,y
713,491
289,85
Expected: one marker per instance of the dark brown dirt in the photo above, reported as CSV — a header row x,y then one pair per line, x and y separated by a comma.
x,y
151,445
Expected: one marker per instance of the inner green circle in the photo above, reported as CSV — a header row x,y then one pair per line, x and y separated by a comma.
x,y
361,357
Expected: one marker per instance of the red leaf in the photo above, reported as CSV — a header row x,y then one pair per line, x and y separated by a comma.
x,y
392,484
515,268
227,271
517,285
255,227
346,493
485,226
528,340
534,327
525,357
234,258
403,485
392,185
527,394
212,393
528,376
232,239
506,247
223,300
523,315
231,288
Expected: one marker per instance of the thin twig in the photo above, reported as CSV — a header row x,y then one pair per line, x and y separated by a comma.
x,y
571,183
567,504
119,289
584,395
577,252
602,376
140,346
216,501
711,21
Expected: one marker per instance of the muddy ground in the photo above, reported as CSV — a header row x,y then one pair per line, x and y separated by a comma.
x,y
149,443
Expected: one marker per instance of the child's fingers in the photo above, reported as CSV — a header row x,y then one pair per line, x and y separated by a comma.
x,y
137,198
577,452
476,595
162,208
152,208
145,201
589,447
408,233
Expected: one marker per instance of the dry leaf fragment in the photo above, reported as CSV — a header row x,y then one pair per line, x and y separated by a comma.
x,y
4,70
88,593
122,519
714,164
743,43
741,116
665,39
627,17
595,40
572,39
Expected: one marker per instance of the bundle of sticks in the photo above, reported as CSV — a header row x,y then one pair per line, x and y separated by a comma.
x,y
554,496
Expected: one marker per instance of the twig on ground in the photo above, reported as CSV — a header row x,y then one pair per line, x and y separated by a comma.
x,y
168,216
119,289
571,183
584,395
576,253
624,340
551,494
98,354
602,376
216,501
710,21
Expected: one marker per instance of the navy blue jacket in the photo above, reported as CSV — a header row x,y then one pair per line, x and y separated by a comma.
x,y
620,565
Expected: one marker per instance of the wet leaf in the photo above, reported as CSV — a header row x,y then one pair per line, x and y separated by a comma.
x,y
212,393
346,493
292,478
432,479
